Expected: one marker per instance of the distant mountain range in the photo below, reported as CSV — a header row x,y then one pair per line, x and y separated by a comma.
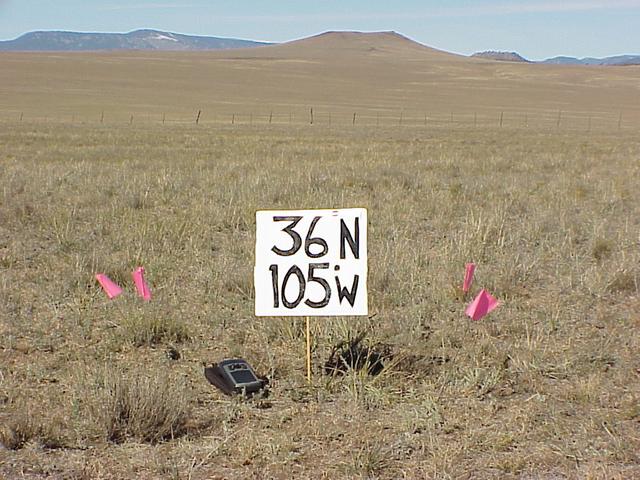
x,y
616,60
136,40
607,61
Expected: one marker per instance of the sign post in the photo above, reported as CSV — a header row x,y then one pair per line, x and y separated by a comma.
x,y
308,337
311,263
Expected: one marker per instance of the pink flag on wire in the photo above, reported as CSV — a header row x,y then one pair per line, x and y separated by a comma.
x,y
109,286
141,285
468,276
481,305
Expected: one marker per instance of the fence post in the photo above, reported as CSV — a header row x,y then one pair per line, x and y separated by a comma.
x,y
198,117
270,117
163,117
233,119
501,117
311,113
102,117
354,118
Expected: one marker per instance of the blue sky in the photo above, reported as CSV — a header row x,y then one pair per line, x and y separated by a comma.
x,y
534,28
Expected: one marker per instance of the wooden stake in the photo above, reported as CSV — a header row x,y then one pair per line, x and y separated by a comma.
x,y
501,116
311,115
198,117
354,118
233,119
270,117
308,351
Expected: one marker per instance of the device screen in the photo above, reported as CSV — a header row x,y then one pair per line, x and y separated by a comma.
x,y
243,376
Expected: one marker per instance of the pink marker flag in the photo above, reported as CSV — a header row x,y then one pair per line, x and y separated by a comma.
x,y
468,276
109,286
481,305
141,285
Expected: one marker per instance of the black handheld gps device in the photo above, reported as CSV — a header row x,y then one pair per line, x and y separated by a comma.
x,y
233,376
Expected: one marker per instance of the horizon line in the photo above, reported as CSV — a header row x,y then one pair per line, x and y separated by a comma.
x,y
273,42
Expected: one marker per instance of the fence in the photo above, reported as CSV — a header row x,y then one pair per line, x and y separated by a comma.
x,y
504,119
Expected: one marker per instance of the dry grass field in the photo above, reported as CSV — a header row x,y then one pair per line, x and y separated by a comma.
x,y
381,77
546,387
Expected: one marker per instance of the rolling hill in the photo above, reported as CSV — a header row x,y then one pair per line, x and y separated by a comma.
x,y
501,56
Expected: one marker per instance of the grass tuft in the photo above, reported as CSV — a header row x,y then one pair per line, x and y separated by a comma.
x,y
23,427
149,328
369,461
602,249
148,407
623,281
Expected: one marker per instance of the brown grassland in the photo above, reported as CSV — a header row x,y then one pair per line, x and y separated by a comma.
x,y
546,387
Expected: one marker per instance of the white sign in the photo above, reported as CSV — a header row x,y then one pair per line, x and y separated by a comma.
x,y
311,262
